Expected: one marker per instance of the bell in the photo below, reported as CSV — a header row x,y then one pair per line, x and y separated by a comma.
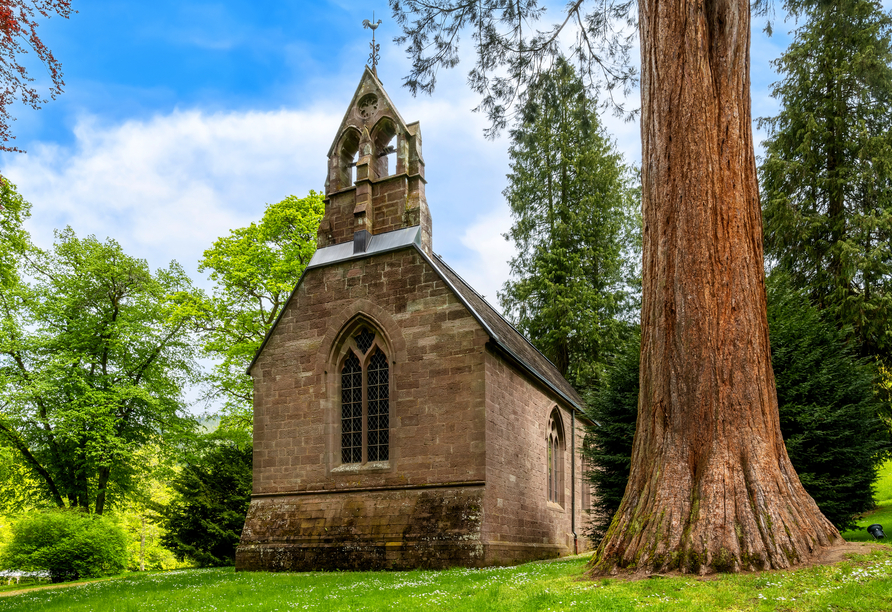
x,y
876,531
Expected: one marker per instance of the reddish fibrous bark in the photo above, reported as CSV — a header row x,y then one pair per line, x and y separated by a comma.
x,y
711,487
18,36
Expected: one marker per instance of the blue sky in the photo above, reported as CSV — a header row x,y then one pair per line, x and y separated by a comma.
x,y
181,120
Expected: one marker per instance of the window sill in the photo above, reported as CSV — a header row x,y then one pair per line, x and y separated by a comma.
x,y
556,507
355,468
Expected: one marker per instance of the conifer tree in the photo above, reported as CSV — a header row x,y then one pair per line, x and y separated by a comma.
x,y
827,175
573,207
608,442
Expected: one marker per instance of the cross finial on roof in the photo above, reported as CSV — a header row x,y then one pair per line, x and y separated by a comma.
x,y
374,56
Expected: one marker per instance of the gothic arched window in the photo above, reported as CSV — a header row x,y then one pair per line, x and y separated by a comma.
x,y
365,401
554,439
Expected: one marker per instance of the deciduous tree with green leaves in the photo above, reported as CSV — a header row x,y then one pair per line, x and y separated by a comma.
x,y
13,238
254,269
575,228
827,173
95,353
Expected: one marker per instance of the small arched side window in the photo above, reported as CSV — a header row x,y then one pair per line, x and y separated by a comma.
x,y
365,400
554,440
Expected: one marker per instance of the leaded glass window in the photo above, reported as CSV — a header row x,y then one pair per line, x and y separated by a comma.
x,y
364,340
378,407
365,401
351,411
555,457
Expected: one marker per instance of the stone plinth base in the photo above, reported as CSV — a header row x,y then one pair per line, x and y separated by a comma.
x,y
366,530
376,530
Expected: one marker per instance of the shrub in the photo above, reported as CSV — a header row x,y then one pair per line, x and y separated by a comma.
x,y
608,444
68,544
204,520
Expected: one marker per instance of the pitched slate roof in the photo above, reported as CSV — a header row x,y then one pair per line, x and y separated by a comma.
x,y
503,335
506,337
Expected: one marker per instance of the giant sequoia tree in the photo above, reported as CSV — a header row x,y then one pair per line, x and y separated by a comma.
x,y
827,174
829,414
711,486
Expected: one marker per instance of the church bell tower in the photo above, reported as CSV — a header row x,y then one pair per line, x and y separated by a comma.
x,y
375,180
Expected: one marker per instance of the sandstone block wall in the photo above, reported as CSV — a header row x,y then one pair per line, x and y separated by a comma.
x,y
519,516
436,354
465,480
302,492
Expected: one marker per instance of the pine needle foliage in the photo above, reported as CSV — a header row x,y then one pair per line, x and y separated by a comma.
x,y
826,177
573,204
515,43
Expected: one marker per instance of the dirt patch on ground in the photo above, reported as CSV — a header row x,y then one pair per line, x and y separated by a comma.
x,y
839,553
50,586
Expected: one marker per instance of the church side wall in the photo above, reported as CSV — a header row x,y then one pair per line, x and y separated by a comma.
x,y
307,507
521,524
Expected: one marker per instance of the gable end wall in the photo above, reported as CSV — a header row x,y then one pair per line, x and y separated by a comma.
x,y
423,507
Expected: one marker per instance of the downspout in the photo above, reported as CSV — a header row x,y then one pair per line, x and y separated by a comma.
x,y
573,480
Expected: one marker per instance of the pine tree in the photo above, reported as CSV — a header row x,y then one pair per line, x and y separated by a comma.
x,y
827,175
573,207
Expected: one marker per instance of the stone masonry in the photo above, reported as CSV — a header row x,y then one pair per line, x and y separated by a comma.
x,y
469,403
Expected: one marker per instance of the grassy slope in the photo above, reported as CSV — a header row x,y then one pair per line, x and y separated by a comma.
x,y
883,513
861,585
864,584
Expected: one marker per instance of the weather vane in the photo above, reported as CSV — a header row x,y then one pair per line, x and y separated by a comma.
x,y
374,56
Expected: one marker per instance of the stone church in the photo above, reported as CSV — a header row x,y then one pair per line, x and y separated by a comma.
x,y
399,420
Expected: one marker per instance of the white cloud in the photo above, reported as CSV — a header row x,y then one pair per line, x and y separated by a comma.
x,y
488,270
167,187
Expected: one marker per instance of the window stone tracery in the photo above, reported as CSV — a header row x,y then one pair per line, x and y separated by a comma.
x,y
365,401
555,458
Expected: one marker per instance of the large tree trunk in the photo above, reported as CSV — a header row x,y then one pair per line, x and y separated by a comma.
x,y
711,487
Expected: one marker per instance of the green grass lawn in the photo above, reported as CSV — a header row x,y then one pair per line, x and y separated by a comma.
x,y
863,583
883,513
